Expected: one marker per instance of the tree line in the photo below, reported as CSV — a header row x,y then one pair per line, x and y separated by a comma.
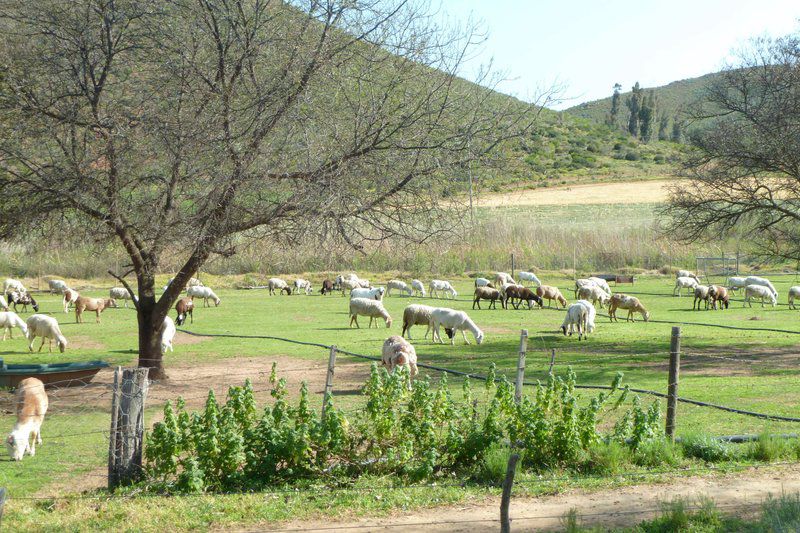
x,y
645,120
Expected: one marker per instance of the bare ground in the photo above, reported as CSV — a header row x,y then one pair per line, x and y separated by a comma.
x,y
630,192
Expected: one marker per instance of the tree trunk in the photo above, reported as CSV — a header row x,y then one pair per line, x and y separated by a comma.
x,y
150,321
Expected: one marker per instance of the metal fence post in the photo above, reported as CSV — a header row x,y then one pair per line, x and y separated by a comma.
x,y
505,502
523,347
672,384
329,378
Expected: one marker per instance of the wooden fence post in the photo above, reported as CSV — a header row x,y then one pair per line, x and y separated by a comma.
x,y
127,426
512,265
508,483
329,379
672,384
552,360
2,503
523,347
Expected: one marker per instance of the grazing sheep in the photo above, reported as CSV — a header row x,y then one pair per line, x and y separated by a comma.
x,y
70,296
366,307
302,285
516,294
794,292
600,282
193,282
456,321
372,294
349,285
57,286
630,303
47,328
13,285
687,274
483,282
3,303
700,295
350,277
764,282
437,285
760,292
529,276
504,288
278,283
717,293
399,352
575,318
502,278
120,293
184,307
10,319
684,283
205,293
167,334
419,287
594,294
582,282
737,283
22,298
327,287
591,314
487,293
419,315
364,284
31,402
98,305
398,285
546,292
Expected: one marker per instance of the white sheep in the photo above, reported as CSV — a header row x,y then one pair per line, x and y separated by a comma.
x,y
419,287
502,277
348,285
372,294
575,318
399,352
278,283
167,334
205,293
737,282
364,284
398,285
70,297
483,282
13,285
764,282
10,319
31,402
416,315
700,295
456,321
372,308
581,283
437,285
600,282
591,314
47,328
794,292
529,276
120,293
594,294
302,285
193,282
3,303
57,286
760,292
687,274
684,283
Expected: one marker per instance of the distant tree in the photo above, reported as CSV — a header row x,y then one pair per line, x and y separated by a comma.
x,y
634,104
663,127
745,162
615,98
677,130
647,113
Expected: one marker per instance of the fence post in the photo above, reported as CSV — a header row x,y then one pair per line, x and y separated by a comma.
x,y
523,347
127,426
512,265
552,360
2,503
329,379
672,384
508,483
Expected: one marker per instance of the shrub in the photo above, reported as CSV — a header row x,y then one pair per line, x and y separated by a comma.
x,y
607,458
657,452
769,449
706,448
492,469
632,156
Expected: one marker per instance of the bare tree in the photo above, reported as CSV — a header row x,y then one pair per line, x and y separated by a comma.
x,y
745,164
198,125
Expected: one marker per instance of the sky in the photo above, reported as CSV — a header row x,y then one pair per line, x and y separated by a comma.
x,y
588,45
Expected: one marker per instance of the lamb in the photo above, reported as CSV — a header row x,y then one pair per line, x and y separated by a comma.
x,y
529,276
278,283
366,307
455,320
205,293
483,282
575,318
737,283
761,292
167,334
719,294
47,328
31,401
10,319
687,274
184,307
57,286
399,352
417,315
436,286
630,303
764,282
398,285
13,285
98,305
120,293
594,294
546,292
794,292
684,283
371,294
501,278
487,293
419,287
24,299
70,296
700,294
327,287
302,285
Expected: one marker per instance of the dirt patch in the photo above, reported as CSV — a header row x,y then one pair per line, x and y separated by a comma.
x,y
85,343
185,338
631,192
498,330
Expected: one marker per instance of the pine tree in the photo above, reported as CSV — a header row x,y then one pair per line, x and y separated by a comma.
x,y
634,104
647,113
612,118
663,127
677,130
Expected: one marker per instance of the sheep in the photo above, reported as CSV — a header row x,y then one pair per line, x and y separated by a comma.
x,y
398,285
504,292
737,282
546,292
687,274
719,294
70,296
501,278
57,286
13,285
205,293
521,294
487,293
600,282
575,318
630,303
700,294
31,401
302,285
349,285
120,293
3,303
371,294
761,292
47,328
764,282
529,276
184,307
594,294
327,287
364,284
437,285
167,334
193,282
417,315
10,319
98,305
419,287
399,352
483,282
684,283
366,307
591,314
794,292
455,320
278,283
22,298
350,277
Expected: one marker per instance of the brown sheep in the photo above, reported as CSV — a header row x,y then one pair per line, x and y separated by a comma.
x,y
487,293
185,306
719,294
630,303
84,303
546,292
